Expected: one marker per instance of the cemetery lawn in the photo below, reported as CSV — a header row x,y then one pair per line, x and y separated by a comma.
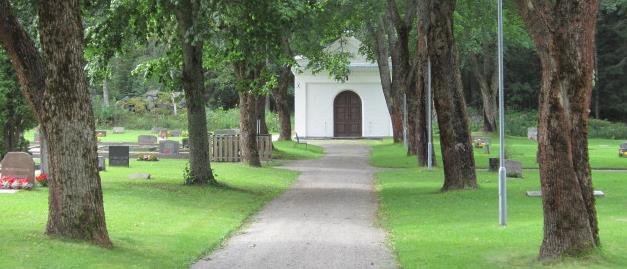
x,y
290,150
159,223
430,229
603,153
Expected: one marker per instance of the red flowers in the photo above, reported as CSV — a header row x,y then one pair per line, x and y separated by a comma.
x,y
42,179
7,182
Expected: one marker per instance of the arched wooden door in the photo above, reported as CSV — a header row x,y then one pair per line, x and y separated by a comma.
x,y
347,115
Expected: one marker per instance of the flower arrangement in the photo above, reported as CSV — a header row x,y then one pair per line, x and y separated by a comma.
x,y
16,183
42,179
151,157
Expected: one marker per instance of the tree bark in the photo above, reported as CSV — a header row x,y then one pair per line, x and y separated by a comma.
x,y
57,90
392,99
457,151
282,106
486,74
194,87
422,56
248,135
564,35
260,115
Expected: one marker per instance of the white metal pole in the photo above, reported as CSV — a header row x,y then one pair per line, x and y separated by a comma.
x,y
429,118
502,169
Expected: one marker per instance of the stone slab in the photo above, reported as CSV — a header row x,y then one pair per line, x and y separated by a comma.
x,y
118,130
147,140
139,176
532,133
169,147
18,164
119,156
514,168
539,193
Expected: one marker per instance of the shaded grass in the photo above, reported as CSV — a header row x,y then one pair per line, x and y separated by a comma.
x,y
290,150
603,153
158,223
430,229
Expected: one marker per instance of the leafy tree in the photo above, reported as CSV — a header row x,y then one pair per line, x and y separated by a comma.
x,y
55,85
563,33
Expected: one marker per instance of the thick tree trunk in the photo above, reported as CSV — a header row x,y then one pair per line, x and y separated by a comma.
x,y
105,92
248,133
564,36
75,196
194,87
282,106
392,99
457,151
260,115
487,78
422,57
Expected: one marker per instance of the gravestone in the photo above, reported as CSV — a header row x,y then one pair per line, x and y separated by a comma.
x,y
226,132
101,133
174,133
147,140
118,130
118,156
622,150
532,133
169,147
139,176
156,130
19,165
102,166
514,168
185,142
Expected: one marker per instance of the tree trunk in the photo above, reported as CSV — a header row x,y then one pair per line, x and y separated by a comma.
x,y
391,98
487,78
564,37
248,133
282,106
260,115
65,114
422,56
105,92
194,88
457,151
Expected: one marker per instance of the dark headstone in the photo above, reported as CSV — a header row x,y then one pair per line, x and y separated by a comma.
x,y
169,147
118,156
18,164
101,133
102,166
118,130
532,133
174,133
147,140
514,168
185,142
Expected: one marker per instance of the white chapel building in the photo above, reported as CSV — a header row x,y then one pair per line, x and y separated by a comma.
x,y
327,108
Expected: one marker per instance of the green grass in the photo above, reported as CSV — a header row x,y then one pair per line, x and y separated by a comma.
x,y
158,223
430,229
603,153
290,150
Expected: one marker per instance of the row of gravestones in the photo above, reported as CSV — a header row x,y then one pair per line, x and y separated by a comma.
x,y
120,130
119,155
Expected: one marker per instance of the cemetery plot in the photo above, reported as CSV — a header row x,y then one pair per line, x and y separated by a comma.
x,y
119,156
18,171
169,147
622,151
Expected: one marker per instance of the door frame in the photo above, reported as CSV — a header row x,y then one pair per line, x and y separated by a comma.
x,y
361,111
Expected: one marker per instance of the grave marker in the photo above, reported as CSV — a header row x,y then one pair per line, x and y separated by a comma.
x,y
532,133
169,147
156,130
514,168
102,166
101,133
622,150
19,165
147,140
163,134
118,156
118,130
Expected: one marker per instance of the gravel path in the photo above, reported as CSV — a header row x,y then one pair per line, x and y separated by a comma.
x,y
325,220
